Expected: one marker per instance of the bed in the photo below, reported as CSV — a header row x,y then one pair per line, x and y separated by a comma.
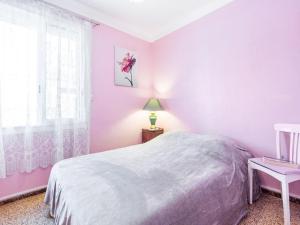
x,y
177,178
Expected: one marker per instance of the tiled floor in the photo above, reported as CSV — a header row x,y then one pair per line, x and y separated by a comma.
x,y
32,211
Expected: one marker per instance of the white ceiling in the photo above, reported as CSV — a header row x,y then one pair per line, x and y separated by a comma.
x,y
147,19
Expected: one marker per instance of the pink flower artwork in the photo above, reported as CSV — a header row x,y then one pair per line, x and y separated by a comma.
x,y
125,61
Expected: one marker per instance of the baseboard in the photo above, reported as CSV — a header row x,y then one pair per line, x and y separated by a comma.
x,y
23,194
277,192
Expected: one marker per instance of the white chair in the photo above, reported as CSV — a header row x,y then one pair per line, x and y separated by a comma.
x,y
284,174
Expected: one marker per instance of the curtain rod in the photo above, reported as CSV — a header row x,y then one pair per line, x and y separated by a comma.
x,y
73,13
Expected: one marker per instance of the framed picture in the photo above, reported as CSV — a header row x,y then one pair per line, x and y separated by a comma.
x,y
125,67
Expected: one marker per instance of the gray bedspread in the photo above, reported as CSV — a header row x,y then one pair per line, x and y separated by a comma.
x,y
176,179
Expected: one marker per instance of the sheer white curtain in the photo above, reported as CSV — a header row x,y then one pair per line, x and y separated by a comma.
x,y
44,85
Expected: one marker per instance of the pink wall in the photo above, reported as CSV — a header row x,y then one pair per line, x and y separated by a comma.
x,y
235,72
116,118
23,182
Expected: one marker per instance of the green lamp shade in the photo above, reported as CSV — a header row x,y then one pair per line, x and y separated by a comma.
x,y
153,104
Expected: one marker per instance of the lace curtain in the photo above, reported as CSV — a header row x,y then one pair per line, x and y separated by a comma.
x,y
44,85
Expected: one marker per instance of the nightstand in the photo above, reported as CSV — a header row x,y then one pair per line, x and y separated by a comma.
x,y
148,134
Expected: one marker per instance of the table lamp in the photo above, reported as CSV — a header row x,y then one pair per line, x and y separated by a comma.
x,y
153,105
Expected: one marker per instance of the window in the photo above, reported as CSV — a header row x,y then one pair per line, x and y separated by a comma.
x,y
40,74
62,60
18,90
44,85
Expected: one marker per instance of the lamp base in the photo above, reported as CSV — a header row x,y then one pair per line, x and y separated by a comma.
x,y
152,118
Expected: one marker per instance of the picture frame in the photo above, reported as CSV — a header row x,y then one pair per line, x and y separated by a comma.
x,y
125,67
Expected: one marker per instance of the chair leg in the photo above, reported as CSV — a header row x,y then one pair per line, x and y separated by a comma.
x,y
250,180
286,202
